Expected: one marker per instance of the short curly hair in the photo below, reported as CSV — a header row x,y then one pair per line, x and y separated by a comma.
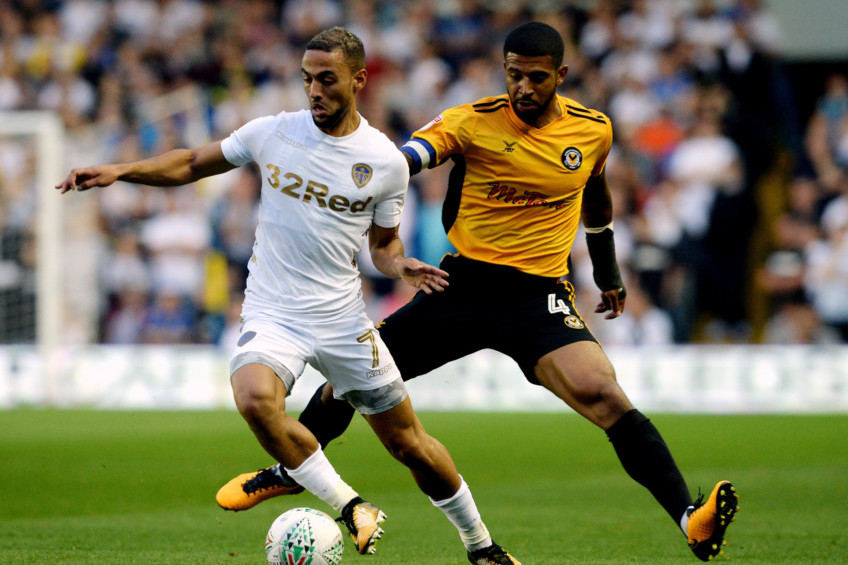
x,y
535,39
339,38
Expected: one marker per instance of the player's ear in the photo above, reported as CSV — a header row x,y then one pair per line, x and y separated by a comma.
x,y
563,70
360,77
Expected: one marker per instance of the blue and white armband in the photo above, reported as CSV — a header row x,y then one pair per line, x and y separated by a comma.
x,y
421,153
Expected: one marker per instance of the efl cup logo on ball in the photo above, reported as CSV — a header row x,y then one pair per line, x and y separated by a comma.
x,y
304,536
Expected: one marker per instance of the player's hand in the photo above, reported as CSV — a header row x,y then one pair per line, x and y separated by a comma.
x,y
421,275
88,177
612,301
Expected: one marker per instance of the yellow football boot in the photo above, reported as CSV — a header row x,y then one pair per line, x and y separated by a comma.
x,y
709,520
492,555
363,521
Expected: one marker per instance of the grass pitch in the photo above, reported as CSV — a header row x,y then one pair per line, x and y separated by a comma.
x,y
81,487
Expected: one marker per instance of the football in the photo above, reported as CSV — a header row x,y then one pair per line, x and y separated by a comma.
x,y
304,536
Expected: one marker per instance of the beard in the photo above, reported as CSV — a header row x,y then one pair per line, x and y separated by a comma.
x,y
532,115
330,121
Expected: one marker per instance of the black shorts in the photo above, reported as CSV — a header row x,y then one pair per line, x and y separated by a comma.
x,y
486,306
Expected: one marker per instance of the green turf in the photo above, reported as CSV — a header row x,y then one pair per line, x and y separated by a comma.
x,y
126,487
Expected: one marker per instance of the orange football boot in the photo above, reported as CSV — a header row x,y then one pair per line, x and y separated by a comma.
x,y
709,520
249,489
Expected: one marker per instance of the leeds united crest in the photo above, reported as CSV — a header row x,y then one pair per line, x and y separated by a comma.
x,y
361,174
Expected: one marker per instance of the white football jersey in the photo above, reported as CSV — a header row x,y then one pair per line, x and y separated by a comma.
x,y
320,195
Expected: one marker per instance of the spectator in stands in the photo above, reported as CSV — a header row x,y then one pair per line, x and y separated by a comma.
x,y
430,241
643,323
799,323
176,240
233,218
826,278
827,132
781,276
170,319
125,322
709,173
124,266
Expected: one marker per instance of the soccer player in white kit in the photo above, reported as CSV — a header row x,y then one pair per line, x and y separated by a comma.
x,y
329,179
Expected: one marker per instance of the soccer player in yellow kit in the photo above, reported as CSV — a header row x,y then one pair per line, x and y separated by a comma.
x,y
528,166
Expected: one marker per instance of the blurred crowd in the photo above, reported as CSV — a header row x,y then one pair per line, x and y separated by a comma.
x,y
731,211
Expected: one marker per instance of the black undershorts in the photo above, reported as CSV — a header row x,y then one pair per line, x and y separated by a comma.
x,y
486,306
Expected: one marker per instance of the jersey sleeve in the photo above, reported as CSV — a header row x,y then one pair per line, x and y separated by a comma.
x,y
446,135
388,210
241,145
601,163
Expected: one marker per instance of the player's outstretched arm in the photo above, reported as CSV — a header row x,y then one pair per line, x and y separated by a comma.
x,y
597,221
387,254
180,166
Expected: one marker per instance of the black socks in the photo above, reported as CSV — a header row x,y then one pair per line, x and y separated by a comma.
x,y
647,459
326,421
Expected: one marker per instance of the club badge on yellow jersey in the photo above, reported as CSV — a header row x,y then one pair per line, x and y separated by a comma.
x,y
572,158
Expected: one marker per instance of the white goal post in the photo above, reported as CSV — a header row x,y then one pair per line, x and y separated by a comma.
x,y
49,133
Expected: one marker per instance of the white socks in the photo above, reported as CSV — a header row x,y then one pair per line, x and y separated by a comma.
x,y
317,475
462,512
684,522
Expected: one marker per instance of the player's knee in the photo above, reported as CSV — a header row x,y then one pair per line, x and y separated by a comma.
x,y
600,388
405,446
327,393
399,446
255,405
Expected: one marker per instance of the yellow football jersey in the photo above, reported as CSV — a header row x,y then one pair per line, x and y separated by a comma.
x,y
515,191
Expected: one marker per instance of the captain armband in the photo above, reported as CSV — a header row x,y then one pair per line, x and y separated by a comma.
x,y
420,155
602,252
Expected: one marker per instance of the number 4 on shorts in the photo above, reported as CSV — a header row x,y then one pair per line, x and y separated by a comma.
x,y
556,305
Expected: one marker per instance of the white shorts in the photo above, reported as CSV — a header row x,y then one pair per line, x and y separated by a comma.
x,y
349,353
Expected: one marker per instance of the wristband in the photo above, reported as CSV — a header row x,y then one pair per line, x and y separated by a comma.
x,y
598,230
602,252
